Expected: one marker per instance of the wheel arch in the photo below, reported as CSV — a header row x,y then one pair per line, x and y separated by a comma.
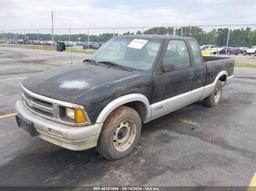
x,y
138,102
222,76
140,107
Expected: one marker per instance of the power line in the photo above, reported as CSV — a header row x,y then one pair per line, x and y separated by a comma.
x,y
133,27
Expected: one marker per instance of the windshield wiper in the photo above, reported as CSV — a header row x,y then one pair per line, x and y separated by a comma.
x,y
108,63
112,64
89,60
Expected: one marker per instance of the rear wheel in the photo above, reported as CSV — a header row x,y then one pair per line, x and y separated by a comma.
x,y
214,99
120,133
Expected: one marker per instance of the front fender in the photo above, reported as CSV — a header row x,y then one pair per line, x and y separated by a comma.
x,y
121,101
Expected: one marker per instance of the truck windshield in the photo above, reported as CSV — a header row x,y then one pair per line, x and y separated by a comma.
x,y
138,54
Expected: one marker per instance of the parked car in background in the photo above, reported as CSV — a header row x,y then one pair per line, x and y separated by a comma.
x,y
206,52
209,46
250,51
230,50
92,45
69,44
12,41
212,48
242,48
49,43
20,41
95,45
80,43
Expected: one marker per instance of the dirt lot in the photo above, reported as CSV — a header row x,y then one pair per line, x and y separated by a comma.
x,y
194,146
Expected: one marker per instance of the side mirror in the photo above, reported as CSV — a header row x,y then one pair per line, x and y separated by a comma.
x,y
168,67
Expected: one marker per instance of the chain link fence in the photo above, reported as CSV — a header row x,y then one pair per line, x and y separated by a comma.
x,y
91,38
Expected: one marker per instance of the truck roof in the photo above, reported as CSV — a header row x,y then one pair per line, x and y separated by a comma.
x,y
160,37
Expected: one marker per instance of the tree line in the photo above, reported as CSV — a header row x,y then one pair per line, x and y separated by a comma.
x,y
238,37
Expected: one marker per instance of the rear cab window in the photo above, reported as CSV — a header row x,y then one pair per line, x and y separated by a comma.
x,y
196,53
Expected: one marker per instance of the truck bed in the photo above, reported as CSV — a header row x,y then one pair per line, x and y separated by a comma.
x,y
215,64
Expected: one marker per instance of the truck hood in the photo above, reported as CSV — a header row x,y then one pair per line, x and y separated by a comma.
x,y
70,82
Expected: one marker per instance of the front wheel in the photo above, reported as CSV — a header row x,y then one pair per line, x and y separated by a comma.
x,y
214,99
120,133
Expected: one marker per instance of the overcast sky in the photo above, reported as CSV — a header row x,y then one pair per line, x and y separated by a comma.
x,y
19,14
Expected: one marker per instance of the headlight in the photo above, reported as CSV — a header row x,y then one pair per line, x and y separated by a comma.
x,y
70,113
75,115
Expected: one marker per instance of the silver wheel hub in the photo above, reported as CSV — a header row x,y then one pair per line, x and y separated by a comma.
x,y
217,94
124,135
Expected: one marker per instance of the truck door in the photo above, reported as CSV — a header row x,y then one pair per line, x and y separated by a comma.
x,y
172,83
199,69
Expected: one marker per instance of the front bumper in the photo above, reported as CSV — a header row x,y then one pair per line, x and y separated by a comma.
x,y
72,138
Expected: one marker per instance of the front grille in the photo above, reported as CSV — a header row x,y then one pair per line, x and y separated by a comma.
x,y
48,107
39,106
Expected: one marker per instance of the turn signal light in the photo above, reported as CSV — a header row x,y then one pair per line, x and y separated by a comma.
x,y
80,116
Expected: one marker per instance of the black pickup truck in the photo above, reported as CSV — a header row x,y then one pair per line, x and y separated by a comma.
x,y
129,81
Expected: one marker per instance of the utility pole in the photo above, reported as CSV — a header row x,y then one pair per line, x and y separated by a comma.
x,y
174,31
69,38
114,30
52,28
25,36
227,40
88,37
38,39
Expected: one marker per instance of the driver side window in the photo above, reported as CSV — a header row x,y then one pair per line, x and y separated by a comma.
x,y
177,55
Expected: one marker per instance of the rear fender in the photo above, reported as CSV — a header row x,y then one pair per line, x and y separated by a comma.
x,y
210,87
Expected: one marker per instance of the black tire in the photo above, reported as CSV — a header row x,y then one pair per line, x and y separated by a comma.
x,y
214,99
108,144
244,53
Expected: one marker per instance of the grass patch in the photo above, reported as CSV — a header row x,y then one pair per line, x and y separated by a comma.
x,y
40,48
77,50
245,65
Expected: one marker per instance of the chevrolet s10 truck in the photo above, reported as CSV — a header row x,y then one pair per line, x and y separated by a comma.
x,y
129,81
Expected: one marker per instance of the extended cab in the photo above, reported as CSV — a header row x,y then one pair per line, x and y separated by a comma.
x,y
129,81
